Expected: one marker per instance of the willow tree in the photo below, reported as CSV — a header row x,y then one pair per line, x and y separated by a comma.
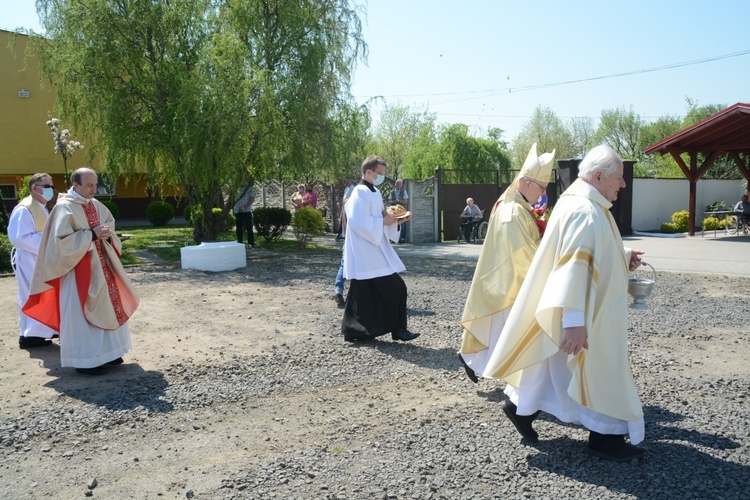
x,y
202,93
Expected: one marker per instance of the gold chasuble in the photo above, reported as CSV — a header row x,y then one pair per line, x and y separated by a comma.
x,y
40,216
506,255
581,264
104,290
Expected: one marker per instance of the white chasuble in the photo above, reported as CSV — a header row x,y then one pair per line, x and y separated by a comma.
x,y
581,264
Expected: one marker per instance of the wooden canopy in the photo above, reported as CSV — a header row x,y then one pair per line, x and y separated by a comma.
x,y
726,132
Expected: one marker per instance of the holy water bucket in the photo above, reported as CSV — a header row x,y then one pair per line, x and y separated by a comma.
x,y
640,288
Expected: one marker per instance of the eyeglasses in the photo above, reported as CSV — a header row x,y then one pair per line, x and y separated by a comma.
x,y
45,185
543,188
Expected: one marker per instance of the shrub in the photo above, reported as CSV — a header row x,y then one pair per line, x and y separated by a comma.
x,y
5,248
710,223
308,223
3,218
716,206
112,207
24,191
680,220
271,222
669,228
159,213
228,224
191,210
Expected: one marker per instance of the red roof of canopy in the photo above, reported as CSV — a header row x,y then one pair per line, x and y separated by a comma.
x,y
726,131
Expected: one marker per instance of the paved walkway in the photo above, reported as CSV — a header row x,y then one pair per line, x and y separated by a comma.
x,y
711,255
720,254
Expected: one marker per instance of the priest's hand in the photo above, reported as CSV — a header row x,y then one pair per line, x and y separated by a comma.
x,y
102,232
635,259
574,339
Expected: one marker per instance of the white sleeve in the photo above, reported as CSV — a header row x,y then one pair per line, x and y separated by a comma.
x,y
22,231
572,318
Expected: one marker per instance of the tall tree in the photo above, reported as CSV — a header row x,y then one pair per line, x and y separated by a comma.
x,y
724,167
621,130
398,129
201,92
474,157
548,131
583,135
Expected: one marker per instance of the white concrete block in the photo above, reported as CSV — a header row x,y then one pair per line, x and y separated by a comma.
x,y
214,256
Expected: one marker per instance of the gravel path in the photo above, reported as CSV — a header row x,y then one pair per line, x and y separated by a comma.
x,y
240,386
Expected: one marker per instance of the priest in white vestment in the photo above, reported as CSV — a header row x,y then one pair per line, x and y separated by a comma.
x,y
512,239
376,302
25,228
79,286
564,347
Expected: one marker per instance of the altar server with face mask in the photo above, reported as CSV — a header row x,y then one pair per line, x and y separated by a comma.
x,y
25,233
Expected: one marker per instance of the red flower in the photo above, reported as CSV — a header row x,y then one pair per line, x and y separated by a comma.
x,y
542,225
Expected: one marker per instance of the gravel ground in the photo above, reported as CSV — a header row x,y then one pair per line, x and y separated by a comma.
x,y
240,386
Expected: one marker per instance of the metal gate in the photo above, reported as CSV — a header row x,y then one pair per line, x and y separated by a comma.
x,y
484,186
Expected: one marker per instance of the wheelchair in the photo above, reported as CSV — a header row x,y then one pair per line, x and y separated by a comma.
x,y
738,223
478,231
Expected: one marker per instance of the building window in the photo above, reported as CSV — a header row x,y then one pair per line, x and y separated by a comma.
x,y
105,186
8,191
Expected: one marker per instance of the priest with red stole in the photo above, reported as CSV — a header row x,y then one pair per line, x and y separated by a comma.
x,y
79,287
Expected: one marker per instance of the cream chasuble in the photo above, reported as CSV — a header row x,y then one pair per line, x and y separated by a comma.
x,y
581,264
512,238
104,290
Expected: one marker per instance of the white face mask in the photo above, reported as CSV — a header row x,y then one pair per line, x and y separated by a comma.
x,y
48,193
379,180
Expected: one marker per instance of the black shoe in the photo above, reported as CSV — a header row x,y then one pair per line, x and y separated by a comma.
x,y
469,372
30,342
404,335
97,370
522,422
339,299
613,447
115,362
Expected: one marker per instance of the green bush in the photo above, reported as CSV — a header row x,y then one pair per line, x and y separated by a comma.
x,y
716,206
711,223
229,223
271,222
5,248
3,218
680,220
190,210
308,223
159,213
112,207
669,228
24,191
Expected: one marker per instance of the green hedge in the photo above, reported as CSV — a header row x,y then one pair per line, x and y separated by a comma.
x,y
112,207
159,213
5,248
270,222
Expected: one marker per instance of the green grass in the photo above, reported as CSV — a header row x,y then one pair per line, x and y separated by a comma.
x,y
166,241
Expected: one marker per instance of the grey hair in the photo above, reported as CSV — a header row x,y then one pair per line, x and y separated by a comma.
x,y
600,158
36,178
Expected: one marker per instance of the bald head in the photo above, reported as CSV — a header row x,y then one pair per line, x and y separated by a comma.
x,y
84,182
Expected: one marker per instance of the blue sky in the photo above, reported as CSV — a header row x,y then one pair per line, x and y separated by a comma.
x,y
469,61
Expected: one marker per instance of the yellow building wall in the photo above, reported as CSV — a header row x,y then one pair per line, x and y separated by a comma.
x,y
25,107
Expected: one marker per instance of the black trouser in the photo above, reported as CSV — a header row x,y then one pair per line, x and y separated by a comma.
x,y
245,220
468,226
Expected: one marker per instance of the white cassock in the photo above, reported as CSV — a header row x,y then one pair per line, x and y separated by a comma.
x,y
25,238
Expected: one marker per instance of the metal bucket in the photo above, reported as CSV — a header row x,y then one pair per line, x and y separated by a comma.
x,y
640,288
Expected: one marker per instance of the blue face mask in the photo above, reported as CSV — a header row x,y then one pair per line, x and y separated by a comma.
x,y
47,193
379,179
